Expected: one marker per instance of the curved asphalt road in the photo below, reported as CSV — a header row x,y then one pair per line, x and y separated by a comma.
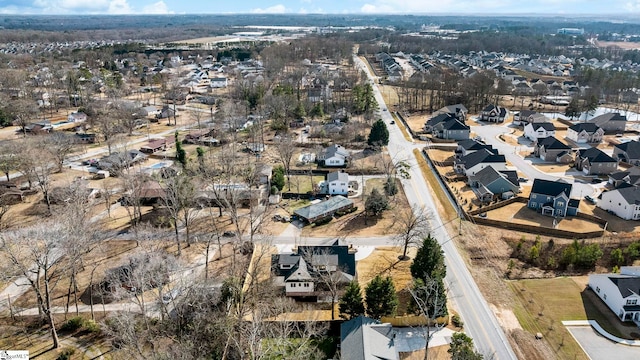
x,y
480,322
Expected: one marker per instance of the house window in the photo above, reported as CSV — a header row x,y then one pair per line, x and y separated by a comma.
x,y
293,285
598,289
560,203
533,196
306,285
605,296
632,302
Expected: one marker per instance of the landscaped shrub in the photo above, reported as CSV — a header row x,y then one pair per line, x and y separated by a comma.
x,y
456,321
66,354
72,324
323,221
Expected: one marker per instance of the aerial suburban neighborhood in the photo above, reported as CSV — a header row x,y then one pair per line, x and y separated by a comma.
x,y
314,186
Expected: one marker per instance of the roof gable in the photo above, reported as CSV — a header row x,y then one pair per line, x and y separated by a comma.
x,y
551,188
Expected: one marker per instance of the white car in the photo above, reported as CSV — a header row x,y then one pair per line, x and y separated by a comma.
x,y
171,295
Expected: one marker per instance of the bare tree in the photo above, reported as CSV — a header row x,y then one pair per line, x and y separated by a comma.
x,y
34,162
414,226
36,254
430,300
179,199
286,148
59,145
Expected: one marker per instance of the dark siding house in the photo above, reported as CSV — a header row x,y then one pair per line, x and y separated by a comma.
x,y
552,198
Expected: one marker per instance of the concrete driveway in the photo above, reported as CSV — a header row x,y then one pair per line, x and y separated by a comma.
x,y
599,348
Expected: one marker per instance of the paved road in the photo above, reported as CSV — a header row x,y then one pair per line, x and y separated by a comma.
x,y
490,135
480,322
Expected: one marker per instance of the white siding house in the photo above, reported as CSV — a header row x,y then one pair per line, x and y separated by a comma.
x,y
337,183
536,131
619,292
624,202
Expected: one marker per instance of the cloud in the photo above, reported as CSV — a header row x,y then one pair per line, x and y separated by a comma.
x,y
119,7
275,9
157,8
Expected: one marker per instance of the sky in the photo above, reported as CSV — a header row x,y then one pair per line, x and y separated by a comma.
x,y
480,7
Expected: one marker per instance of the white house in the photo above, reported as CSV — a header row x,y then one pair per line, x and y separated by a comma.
x,y
619,292
624,202
536,131
337,183
219,82
333,156
583,133
77,117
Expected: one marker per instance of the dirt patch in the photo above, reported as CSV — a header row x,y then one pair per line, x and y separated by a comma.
x,y
507,319
520,214
358,223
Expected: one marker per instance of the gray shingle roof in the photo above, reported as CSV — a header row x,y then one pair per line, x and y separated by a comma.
x,y
627,285
324,207
630,194
337,175
595,155
631,148
481,156
550,188
551,142
364,338
588,127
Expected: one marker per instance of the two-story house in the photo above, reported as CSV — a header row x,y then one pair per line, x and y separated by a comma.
x,y
466,147
552,198
304,272
493,113
611,123
489,183
620,292
452,129
552,149
583,133
536,131
627,177
471,164
623,201
593,161
519,117
628,152
336,183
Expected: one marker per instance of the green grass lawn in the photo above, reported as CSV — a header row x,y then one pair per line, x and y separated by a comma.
x,y
545,303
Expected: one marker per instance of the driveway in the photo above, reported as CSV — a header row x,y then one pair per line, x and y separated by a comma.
x,y
491,133
599,348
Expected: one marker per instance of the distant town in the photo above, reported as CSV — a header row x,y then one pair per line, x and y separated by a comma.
x,y
319,187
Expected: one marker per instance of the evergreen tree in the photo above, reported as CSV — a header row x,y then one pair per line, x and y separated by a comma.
x,y
461,348
277,179
380,297
376,203
429,261
317,111
379,135
181,154
351,304
573,109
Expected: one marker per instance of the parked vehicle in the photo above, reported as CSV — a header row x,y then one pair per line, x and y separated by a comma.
x,y
590,199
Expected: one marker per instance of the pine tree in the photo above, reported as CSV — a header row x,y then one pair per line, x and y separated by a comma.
x,y
181,154
461,348
376,203
429,261
351,304
379,135
380,297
